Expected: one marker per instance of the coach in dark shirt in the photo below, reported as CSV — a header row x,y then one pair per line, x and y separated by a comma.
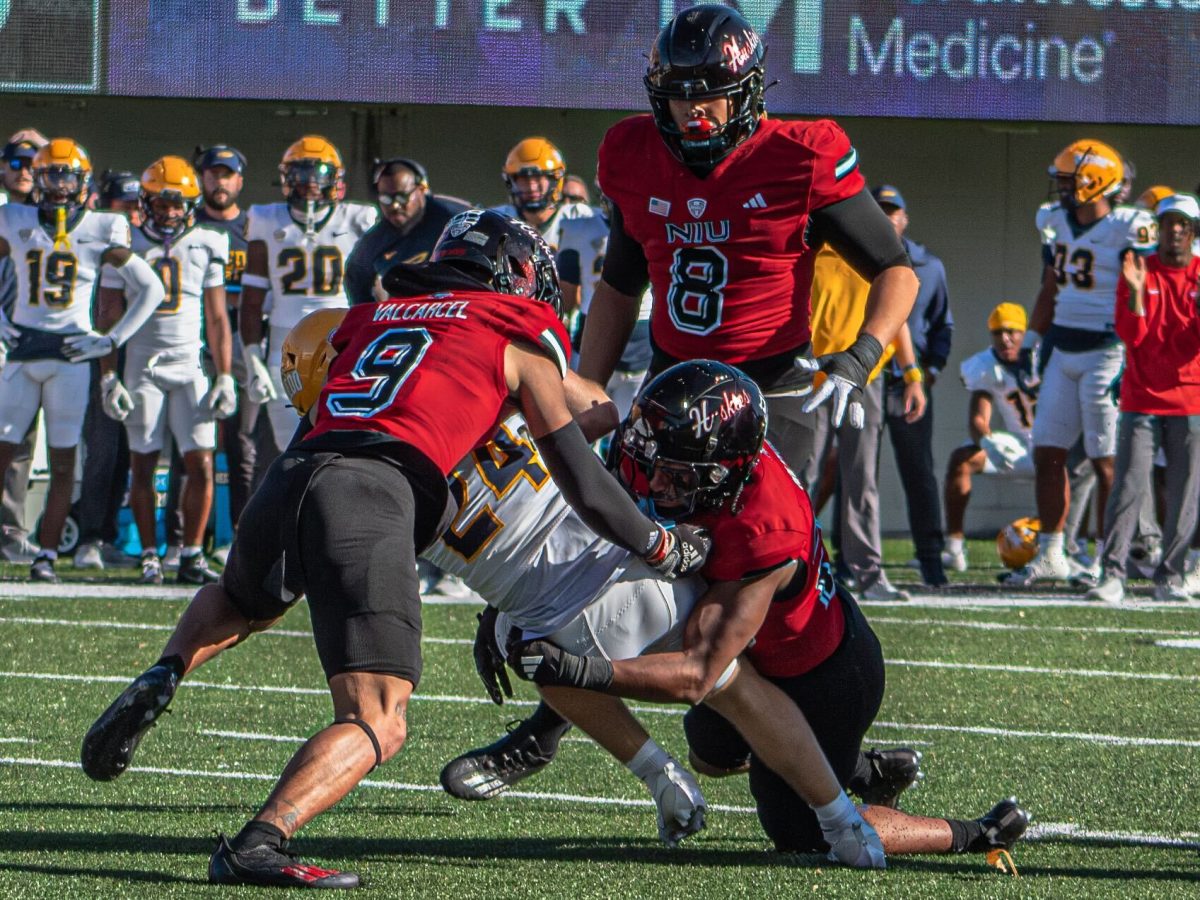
x,y
411,219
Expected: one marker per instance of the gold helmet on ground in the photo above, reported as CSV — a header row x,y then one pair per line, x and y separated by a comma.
x,y
1017,543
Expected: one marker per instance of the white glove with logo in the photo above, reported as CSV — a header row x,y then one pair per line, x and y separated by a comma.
x,y
259,387
856,845
221,399
114,398
89,345
681,805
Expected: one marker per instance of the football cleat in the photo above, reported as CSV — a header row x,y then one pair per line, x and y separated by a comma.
x,y
1048,566
892,773
43,570
109,744
1003,826
194,569
1171,591
152,569
956,561
88,556
680,803
490,771
1110,589
882,591
269,866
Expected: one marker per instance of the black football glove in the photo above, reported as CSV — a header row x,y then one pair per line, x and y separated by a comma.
x,y
846,375
547,664
686,548
489,659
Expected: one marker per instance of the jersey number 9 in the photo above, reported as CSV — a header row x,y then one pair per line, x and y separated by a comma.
x,y
59,279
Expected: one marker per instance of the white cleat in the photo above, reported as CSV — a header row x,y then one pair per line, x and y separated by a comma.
x,y
88,556
956,561
1049,566
882,590
1165,591
1111,589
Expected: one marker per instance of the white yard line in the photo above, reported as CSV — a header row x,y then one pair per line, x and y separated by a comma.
x,y
1117,740
1180,644
1043,831
1041,670
1021,626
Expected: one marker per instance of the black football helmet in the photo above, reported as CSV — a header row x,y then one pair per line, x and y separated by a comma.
x,y
692,438
513,257
707,51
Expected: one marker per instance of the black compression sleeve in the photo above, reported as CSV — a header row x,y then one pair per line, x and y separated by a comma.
x,y
624,262
568,267
593,493
861,234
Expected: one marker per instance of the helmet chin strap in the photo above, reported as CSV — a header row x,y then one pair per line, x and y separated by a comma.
x,y
61,240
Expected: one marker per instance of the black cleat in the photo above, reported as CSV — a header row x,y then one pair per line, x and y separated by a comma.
x,y
1002,825
109,744
271,867
892,773
195,570
489,771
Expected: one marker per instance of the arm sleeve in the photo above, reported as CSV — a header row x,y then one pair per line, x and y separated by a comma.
x,y
8,286
625,265
214,272
143,294
120,236
860,233
593,493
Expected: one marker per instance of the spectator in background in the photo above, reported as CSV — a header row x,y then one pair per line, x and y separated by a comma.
x,y
16,174
839,306
575,190
1157,318
931,327
411,219
246,435
106,445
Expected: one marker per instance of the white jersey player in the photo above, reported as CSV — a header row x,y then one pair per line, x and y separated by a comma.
x,y
517,543
1084,237
164,384
297,251
58,249
534,172
1001,379
584,241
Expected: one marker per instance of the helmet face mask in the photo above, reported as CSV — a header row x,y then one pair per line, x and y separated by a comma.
x,y
692,439
704,53
312,175
170,190
506,254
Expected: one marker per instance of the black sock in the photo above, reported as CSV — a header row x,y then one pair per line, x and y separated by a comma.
x,y
963,833
255,834
174,662
549,726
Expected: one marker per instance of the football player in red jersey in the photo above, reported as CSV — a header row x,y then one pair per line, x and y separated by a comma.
x,y
722,209
692,450
341,516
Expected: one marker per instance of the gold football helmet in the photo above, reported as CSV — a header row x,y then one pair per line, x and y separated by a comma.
x,y
532,157
62,175
312,160
1017,543
1153,195
1087,170
307,354
169,193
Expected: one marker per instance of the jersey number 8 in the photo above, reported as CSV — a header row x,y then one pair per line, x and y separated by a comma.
x,y
696,294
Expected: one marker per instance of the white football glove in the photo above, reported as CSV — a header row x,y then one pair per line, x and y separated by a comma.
x,y
89,345
114,398
856,845
221,399
1003,450
681,805
847,396
259,388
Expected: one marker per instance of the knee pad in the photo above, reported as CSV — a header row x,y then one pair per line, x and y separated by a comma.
x,y
370,732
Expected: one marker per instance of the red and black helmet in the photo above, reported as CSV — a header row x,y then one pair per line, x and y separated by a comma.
x,y
704,52
692,438
509,255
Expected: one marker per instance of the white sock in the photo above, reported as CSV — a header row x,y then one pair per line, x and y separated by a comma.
x,y
954,545
191,550
649,760
1050,542
51,555
837,813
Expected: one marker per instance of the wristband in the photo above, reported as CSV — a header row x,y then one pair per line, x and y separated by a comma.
x,y
913,375
659,548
